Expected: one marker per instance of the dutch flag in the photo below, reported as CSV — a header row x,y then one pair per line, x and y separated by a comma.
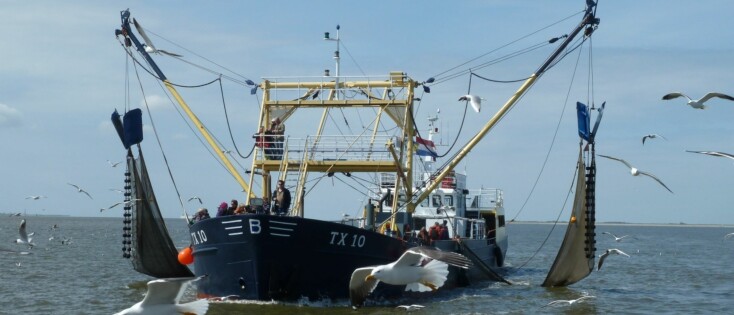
x,y
425,147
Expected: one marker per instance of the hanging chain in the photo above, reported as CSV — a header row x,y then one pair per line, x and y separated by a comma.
x,y
127,217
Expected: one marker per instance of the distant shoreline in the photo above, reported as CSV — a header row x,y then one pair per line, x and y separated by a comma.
x,y
632,224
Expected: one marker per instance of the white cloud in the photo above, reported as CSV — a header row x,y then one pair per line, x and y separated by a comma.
x,y
155,102
10,117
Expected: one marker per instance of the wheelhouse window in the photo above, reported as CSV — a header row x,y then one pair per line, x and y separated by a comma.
x,y
436,200
448,201
424,203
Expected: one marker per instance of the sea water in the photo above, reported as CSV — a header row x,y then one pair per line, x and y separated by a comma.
x,y
673,269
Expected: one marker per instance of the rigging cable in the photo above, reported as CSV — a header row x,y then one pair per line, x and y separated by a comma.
x,y
186,121
202,57
553,140
229,128
508,44
160,145
554,224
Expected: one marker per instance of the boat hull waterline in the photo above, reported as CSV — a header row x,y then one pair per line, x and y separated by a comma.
x,y
264,257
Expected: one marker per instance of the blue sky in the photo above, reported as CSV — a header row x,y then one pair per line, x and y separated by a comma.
x,y
63,73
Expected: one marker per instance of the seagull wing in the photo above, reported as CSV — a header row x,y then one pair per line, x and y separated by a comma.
x,y
673,95
728,236
714,153
474,101
110,207
451,258
86,193
169,53
714,94
409,258
147,40
75,186
617,159
656,179
22,232
165,291
601,260
360,287
618,252
612,234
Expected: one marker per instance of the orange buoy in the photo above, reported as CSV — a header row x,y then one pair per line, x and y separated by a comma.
x,y
185,256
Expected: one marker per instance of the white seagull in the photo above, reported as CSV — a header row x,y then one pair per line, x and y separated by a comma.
x,y
651,136
410,269
607,253
24,238
698,104
616,238
113,164
35,197
149,48
634,171
410,308
126,203
80,190
195,198
163,298
728,236
714,153
569,302
474,100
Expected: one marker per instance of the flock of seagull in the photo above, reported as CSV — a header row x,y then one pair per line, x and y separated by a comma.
x,y
694,103
26,239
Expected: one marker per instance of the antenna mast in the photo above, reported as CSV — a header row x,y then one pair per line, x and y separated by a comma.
x,y
336,58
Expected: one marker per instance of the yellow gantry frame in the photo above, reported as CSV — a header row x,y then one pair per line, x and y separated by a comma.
x,y
397,80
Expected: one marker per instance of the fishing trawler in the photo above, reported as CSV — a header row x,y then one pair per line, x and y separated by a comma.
x,y
261,256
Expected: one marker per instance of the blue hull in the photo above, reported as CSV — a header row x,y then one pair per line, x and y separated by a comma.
x,y
264,257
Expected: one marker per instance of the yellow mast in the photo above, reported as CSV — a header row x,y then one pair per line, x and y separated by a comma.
x,y
588,24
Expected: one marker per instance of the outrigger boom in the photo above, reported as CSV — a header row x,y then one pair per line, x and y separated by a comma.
x,y
128,33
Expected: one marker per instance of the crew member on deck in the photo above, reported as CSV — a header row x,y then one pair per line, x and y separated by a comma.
x,y
276,131
282,199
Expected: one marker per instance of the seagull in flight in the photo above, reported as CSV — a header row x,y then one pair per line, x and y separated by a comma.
x,y
149,48
634,171
113,164
24,237
126,203
569,302
651,136
195,198
698,104
80,190
409,270
116,190
474,100
410,308
607,253
36,197
715,153
616,238
163,298
728,236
